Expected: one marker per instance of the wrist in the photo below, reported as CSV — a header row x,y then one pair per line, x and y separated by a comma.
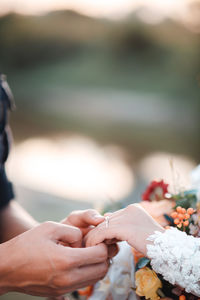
x,y
147,241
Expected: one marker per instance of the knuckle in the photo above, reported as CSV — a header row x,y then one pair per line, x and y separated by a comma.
x,y
91,211
48,224
75,212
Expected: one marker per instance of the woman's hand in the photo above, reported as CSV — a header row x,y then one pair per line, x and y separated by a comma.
x,y
132,224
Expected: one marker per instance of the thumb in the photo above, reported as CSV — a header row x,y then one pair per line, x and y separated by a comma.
x,y
69,235
83,219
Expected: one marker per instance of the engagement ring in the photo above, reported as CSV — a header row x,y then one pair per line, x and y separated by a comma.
x,y
107,221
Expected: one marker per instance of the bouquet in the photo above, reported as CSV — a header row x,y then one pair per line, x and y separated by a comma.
x,y
185,215
130,276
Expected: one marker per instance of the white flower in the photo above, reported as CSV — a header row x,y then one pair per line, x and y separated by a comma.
x,y
179,262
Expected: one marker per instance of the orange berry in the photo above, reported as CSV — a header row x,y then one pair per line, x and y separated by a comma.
x,y
180,216
183,211
179,209
187,216
186,223
176,221
190,211
182,297
174,215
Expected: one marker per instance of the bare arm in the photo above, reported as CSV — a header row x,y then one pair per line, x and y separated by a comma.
x,y
14,220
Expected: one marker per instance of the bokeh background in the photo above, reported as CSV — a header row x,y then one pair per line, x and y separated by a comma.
x,y
107,96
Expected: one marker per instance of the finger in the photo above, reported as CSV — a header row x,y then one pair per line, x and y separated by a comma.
x,y
84,218
86,256
102,233
86,229
113,250
67,234
79,276
108,214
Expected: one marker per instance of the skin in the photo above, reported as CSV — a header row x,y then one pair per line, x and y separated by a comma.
x,y
48,260
14,220
132,224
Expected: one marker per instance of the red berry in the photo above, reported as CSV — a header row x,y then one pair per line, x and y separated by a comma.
x,y
190,211
176,221
174,215
187,216
183,210
186,223
180,216
179,209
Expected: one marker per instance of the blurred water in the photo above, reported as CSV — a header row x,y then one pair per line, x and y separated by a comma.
x,y
73,167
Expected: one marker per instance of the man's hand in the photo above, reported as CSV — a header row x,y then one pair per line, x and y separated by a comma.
x,y
85,220
37,263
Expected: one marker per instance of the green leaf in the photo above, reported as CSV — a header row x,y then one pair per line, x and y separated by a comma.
x,y
169,219
143,262
186,199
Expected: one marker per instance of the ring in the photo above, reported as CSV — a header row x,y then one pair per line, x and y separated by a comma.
x,y
107,221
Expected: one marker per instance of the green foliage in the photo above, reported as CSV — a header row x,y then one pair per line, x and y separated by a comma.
x,y
47,56
169,219
186,199
143,262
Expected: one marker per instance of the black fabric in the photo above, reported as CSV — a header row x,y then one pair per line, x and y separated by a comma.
x,y
6,103
6,189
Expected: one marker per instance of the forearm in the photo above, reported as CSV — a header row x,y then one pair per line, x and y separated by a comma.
x,y
14,221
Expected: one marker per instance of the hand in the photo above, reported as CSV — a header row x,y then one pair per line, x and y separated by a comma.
x,y
36,263
132,224
86,220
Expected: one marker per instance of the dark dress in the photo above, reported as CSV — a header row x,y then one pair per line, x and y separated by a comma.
x,y
6,104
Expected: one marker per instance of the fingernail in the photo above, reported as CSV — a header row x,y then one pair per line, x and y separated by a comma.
x,y
98,217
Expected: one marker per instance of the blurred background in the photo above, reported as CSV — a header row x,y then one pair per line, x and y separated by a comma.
x,y
108,98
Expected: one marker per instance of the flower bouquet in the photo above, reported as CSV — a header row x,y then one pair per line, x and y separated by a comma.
x,y
182,211
131,276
